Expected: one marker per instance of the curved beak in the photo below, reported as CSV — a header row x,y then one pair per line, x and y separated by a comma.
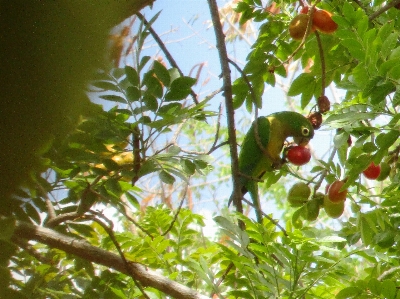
x,y
302,141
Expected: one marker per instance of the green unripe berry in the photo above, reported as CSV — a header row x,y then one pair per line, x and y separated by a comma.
x,y
333,209
312,210
299,194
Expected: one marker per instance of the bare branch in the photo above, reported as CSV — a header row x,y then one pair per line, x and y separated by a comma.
x,y
168,55
83,249
383,9
62,218
227,84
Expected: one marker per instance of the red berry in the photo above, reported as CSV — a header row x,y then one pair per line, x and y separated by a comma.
x,y
349,141
372,172
324,104
334,193
304,9
327,188
315,119
298,155
322,20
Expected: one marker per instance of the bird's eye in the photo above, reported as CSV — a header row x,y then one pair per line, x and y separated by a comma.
x,y
305,131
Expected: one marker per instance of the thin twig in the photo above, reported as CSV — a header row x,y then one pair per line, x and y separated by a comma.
x,y
218,126
324,172
360,4
388,272
322,58
31,251
138,225
137,159
383,9
275,222
110,232
177,212
62,218
129,218
51,212
167,54
244,76
222,278
227,83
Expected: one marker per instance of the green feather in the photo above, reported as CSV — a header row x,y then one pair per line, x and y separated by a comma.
x,y
272,131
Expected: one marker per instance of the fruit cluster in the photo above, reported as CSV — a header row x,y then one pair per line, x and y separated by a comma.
x,y
332,201
321,21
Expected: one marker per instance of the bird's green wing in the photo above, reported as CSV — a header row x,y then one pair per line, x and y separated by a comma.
x,y
253,162
251,156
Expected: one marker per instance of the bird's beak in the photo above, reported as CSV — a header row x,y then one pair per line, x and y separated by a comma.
x,y
302,141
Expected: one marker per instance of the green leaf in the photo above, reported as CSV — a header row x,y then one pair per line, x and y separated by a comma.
x,y
375,286
174,74
32,212
166,177
339,120
379,93
180,88
153,85
307,94
183,83
143,62
150,101
8,225
113,98
340,139
355,48
132,75
331,239
106,85
366,231
226,224
372,83
113,186
188,166
240,91
147,167
395,53
349,292
162,73
369,147
385,140
133,93
174,150
389,44
388,289
300,84
241,294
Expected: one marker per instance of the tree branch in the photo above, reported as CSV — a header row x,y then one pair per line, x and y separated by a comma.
x,y
226,76
383,9
167,54
83,249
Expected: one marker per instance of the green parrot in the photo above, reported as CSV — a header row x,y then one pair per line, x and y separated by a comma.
x,y
272,131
